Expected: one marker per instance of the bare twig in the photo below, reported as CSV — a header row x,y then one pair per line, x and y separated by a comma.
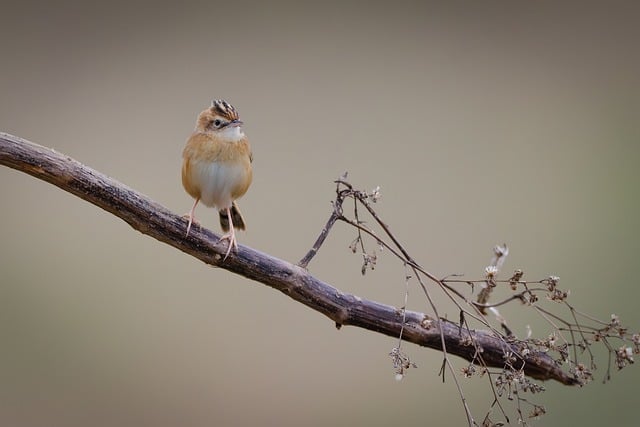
x,y
153,219
304,262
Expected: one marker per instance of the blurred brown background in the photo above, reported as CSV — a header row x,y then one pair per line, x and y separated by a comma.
x,y
482,123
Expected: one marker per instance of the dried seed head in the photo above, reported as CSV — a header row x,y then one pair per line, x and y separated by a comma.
x,y
490,271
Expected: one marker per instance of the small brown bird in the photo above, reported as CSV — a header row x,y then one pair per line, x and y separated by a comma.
x,y
216,167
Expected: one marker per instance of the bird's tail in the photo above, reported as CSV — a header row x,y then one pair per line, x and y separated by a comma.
x,y
236,217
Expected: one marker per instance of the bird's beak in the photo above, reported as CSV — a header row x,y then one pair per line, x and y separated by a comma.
x,y
235,123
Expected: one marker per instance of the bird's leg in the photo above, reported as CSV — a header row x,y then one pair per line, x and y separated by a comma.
x,y
230,236
191,217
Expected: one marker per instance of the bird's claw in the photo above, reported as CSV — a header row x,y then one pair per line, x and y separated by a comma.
x,y
192,221
233,243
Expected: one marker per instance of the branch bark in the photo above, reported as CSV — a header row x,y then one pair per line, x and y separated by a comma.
x,y
153,219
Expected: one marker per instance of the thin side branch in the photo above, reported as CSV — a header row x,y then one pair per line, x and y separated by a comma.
x,y
153,219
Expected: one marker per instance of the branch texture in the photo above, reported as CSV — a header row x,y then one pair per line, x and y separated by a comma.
x,y
153,219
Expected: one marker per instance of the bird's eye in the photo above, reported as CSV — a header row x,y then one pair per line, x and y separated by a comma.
x,y
217,123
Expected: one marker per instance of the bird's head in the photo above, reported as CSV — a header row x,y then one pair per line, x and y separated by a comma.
x,y
221,119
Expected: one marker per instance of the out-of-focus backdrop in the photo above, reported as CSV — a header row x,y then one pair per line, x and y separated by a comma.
x,y
481,122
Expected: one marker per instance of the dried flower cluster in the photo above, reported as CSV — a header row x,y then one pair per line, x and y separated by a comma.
x,y
401,362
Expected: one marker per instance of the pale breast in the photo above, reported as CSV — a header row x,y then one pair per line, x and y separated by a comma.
x,y
217,172
219,182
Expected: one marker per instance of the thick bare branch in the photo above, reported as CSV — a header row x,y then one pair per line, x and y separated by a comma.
x,y
153,219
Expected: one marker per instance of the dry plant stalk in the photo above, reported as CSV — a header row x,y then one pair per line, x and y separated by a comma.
x,y
569,345
507,361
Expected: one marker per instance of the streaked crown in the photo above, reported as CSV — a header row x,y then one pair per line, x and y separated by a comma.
x,y
220,116
224,109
